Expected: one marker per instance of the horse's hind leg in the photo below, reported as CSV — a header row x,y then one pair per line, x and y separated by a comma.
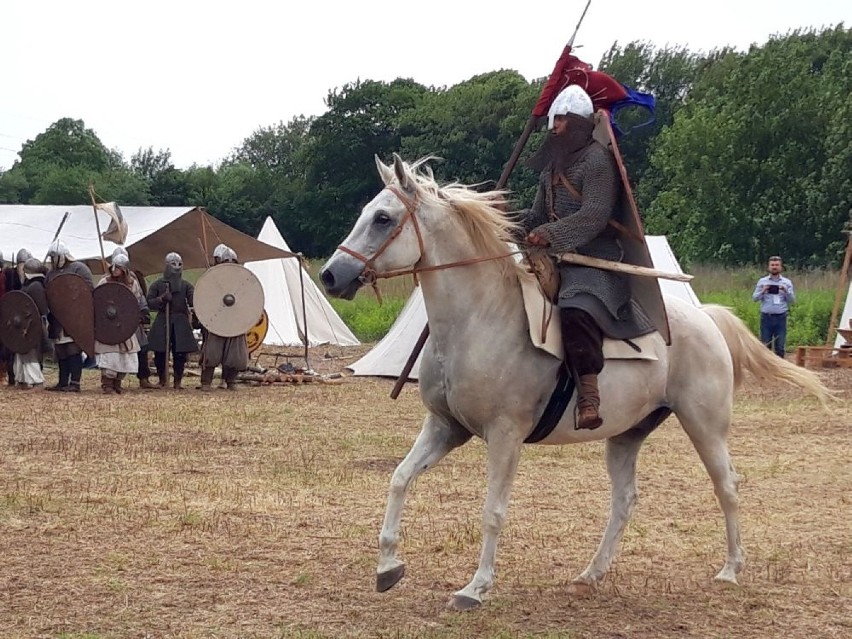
x,y
621,454
437,438
707,427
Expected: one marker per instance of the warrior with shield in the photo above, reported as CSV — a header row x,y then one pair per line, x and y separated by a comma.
x,y
117,360
12,280
68,352
172,297
578,193
27,366
229,352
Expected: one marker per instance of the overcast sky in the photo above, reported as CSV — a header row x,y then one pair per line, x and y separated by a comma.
x,y
198,77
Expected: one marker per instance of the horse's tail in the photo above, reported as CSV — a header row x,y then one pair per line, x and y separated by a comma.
x,y
749,353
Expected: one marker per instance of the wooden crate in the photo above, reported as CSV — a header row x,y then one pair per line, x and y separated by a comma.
x,y
823,357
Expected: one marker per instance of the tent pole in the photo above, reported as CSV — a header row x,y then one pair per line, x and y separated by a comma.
x,y
838,295
302,273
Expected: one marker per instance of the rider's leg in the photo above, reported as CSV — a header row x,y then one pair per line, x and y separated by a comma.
x,y
583,343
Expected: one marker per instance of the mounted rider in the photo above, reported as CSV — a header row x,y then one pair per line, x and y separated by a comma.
x,y
577,199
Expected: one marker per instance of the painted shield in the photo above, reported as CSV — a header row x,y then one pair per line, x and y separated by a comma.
x,y
257,333
69,298
228,300
20,322
116,313
645,290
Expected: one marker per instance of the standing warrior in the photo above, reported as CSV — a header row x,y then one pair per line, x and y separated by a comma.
x,y
117,360
229,352
68,352
12,280
171,296
27,366
578,191
143,372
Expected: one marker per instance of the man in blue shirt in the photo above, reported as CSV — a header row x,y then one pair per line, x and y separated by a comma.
x,y
775,294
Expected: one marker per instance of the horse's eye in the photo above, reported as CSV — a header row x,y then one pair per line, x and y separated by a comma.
x,y
382,219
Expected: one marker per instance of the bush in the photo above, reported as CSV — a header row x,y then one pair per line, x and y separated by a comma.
x,y
807,323
367,319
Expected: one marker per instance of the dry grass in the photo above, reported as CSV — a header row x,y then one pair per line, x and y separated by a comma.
x,y
256,515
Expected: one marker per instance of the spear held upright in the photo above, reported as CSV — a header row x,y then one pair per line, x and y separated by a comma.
x,y
545,98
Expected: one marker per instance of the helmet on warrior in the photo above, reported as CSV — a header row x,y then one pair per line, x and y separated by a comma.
x,y
572,100
224,253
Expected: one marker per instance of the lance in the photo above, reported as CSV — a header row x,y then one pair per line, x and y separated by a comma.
x,y
548,93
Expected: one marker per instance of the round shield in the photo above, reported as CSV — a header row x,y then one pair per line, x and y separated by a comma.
x,y
257,333
20,322
69,298
228,300
116,313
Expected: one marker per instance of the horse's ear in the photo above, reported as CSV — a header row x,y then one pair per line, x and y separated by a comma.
x,y
401,174
384,171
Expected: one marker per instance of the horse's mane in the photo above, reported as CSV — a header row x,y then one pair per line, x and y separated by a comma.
x,y
479,213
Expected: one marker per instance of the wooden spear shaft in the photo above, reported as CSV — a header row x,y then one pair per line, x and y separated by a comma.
x,y
621,267
98,227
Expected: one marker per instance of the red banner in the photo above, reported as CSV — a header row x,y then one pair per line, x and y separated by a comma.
x,y
569,69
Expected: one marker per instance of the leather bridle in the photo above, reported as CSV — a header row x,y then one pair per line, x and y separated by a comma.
x,y
370,276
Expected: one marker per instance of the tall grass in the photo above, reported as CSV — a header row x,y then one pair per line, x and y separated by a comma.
x,y
807,323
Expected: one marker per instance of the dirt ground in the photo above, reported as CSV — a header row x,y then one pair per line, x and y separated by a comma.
x,y
256,514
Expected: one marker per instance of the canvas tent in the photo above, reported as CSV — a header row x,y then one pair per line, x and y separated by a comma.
x,y
153,232
845,317
388,357
282,289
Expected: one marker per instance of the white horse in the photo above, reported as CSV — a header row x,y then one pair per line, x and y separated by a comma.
x,y
481,375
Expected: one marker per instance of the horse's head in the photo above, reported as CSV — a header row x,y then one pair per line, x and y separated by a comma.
x,y
386,237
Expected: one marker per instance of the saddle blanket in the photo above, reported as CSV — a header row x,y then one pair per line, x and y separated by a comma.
x,y
546,332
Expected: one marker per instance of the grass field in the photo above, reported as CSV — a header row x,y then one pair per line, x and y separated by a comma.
x,y
256,514
807,325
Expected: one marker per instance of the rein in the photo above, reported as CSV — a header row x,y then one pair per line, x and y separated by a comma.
x,y
371,277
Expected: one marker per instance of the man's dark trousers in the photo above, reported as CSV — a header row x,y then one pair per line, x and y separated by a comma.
x,y
773,331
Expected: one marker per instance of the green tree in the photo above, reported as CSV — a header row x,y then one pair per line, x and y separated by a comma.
x,y
167,185
277,148
58,165
668,74
340,175
753,162
471,126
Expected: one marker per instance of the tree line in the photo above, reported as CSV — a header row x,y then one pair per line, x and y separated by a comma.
x,y
750,153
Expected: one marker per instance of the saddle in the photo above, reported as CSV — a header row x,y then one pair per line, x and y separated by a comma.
x,y
545,330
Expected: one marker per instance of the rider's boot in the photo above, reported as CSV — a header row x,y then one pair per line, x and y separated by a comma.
x,y
588,403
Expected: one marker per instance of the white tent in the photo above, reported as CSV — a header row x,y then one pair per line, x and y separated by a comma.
x,y
281,287
153,232
845,317
389,356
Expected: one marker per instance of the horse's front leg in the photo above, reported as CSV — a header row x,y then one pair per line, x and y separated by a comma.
x,y
504,451
437,438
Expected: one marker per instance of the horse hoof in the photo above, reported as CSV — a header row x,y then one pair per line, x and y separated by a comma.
x,y
388,579
580,589
462,603
726,579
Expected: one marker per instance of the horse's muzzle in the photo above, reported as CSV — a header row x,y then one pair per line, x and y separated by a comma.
x,y
340,279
